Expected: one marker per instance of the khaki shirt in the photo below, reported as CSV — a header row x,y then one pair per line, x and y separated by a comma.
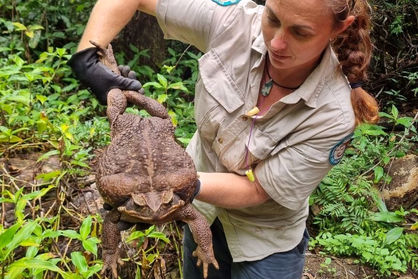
x,y
290,148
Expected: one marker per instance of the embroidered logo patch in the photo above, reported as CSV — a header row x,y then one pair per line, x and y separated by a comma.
x,y
337,152
226,2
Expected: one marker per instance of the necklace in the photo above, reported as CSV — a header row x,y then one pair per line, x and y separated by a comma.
x,y
265,91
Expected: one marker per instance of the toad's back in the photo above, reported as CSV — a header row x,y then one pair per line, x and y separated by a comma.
x,y
145,150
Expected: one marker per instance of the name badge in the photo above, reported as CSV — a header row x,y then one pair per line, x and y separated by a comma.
x,y
226,2
337,152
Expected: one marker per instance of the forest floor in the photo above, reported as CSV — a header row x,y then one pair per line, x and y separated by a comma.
x,y
82,198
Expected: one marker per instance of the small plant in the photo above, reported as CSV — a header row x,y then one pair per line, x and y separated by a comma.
x,y
326,268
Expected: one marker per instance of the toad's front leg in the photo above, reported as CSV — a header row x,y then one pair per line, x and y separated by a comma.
x,y
110,244
202,235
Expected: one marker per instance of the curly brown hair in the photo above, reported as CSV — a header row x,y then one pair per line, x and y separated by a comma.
x,y
354,49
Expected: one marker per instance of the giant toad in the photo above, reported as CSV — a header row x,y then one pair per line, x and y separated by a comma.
x,y
144,175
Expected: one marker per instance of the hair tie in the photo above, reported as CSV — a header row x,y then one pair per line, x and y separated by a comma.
x,y
355,85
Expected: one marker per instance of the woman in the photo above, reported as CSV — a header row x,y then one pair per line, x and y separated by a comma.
x,y
274,110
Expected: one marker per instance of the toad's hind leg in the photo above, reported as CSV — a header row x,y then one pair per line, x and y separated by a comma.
x,y
117,188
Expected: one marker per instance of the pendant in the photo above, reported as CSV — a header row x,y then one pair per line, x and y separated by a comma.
x,y
265,91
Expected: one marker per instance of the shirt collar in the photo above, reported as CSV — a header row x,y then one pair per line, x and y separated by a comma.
x,y
310,89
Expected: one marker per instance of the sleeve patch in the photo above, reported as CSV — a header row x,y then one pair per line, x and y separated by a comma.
x,y
337,152
226,2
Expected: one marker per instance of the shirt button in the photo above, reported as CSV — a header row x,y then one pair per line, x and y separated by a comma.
x,y
220,140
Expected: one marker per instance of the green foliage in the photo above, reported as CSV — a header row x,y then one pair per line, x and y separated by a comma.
x,y
174,91
35,237
31,25
348,222
395,46
373,250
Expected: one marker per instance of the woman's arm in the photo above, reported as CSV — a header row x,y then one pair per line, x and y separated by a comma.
x,y
108,17
229,190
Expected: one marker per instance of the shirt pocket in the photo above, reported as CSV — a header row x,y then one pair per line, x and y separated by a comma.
x,y
217,95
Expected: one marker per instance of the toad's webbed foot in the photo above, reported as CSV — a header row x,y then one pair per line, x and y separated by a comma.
x,y
110,263
206,259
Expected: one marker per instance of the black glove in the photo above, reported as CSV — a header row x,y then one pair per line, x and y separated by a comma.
x,y
125,71
92,73
197,189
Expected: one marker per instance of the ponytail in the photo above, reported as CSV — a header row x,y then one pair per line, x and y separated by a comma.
x,y
354,49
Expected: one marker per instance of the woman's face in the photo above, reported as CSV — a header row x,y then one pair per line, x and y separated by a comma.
x,y
296,32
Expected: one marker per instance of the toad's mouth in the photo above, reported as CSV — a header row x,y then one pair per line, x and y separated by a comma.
x,y
151,206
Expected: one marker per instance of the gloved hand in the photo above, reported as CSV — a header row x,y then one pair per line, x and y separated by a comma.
x,y
92,73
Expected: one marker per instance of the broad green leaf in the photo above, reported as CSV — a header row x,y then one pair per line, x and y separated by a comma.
x,y
168,68
384,114
378,201
41,98
149,230
36,27
71,234
378,174
32,251
90,245
51,234
178,85
23,98
159,235
388,217
61,52
162,98
20,207
7,235
19,26
93,270
79,163
29,243
49,175
38,194
85,228
405,121
22,234
14,272
393,235
48,154
173,116
10,139
25,263
135,235
371,130
186,141
395,112
79,261
153,84
162,80
29,33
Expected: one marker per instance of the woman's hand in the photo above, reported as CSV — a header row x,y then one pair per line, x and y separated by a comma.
x,y
98,77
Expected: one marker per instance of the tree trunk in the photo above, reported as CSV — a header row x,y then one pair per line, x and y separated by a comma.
x,y
143,32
